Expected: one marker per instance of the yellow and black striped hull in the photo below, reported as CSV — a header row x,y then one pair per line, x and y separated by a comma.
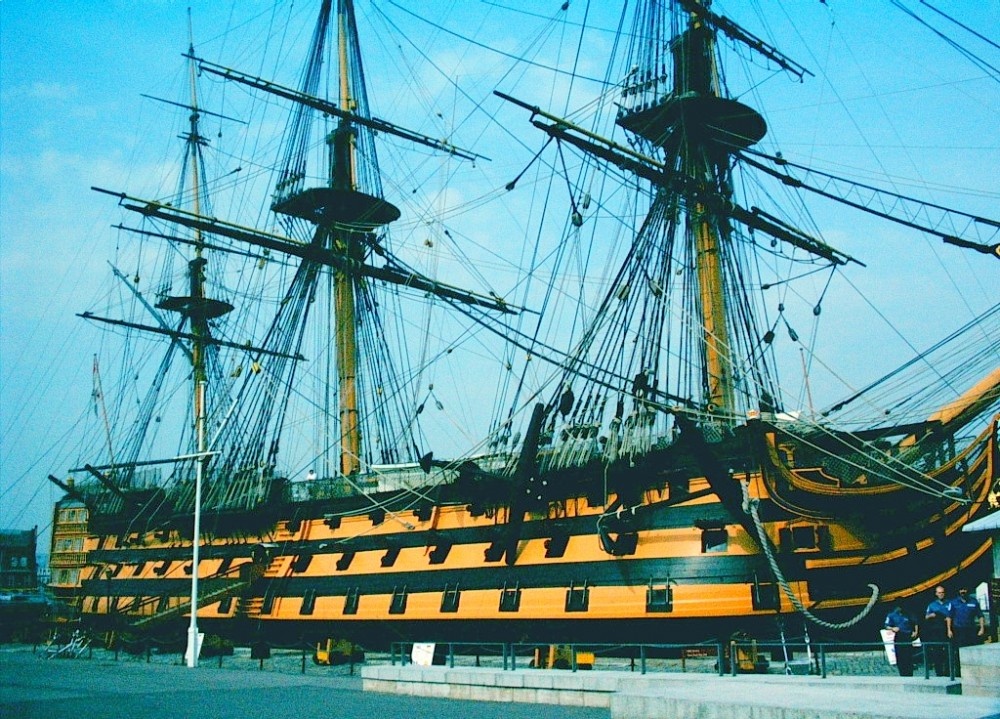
x,y
696,570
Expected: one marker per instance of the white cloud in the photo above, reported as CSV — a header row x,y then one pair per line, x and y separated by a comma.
x,y
50,91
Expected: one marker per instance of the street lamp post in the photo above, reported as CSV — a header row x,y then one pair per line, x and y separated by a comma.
x,y
193,644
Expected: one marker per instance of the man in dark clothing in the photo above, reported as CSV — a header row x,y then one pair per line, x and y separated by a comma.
x,y
904,630
966,624
934,632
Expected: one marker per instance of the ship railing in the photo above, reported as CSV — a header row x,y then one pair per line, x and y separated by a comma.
x,y
743,655
560,655
68,559
66,528
825,658
391,478
793,658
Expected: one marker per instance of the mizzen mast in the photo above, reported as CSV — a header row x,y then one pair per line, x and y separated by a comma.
x,y
196,307
332,214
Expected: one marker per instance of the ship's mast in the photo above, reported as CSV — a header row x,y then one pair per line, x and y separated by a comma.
x,y
695,75
343,178
198,360
684,133
345,217
197,309
196,268
346,208
699,129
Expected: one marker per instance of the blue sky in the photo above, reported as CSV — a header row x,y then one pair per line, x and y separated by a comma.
x,y
71,117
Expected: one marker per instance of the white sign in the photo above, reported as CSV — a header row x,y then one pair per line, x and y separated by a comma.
x,y
889,640
422,654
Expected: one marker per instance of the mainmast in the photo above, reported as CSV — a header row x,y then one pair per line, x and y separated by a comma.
x,y
345,217
331,223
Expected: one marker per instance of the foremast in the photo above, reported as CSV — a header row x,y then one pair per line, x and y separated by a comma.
x,y
678,328
698,131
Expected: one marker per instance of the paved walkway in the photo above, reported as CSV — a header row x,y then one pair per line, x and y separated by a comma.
x,y
32,687
693,696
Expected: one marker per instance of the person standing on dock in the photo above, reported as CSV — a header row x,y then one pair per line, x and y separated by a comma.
x,y
966,623
935,631
905,629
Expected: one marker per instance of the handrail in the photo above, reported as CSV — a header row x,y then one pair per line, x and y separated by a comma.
x,y
513,654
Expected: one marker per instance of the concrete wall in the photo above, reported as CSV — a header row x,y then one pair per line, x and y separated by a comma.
x,y
981,671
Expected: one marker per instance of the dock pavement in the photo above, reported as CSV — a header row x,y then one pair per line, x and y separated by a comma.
x,y
98,687
668,695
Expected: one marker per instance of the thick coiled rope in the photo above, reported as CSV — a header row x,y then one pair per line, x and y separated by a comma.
x,y
750,507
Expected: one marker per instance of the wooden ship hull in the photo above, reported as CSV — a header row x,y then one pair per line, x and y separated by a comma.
x,y
685,562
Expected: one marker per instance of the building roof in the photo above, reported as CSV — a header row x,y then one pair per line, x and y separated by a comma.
x,y
984,524
17,537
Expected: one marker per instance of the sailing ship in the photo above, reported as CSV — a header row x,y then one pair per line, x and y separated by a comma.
x,y
638,467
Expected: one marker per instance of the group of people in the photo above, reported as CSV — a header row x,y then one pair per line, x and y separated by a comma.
x,y
947,625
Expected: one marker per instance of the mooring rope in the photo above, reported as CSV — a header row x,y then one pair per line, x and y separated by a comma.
x,y
750,506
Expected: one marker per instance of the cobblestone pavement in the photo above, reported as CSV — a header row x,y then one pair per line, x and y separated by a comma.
x,y
96,686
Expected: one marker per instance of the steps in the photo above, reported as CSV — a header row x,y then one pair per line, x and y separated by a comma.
x,y
231,588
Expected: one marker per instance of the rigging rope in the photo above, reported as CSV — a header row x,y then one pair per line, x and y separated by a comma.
x,y
750,506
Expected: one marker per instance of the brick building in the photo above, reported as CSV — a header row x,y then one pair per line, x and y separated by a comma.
x,y
18,565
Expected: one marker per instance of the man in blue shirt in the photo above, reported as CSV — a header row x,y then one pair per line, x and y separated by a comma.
x,y
934,631
966,624
904,630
